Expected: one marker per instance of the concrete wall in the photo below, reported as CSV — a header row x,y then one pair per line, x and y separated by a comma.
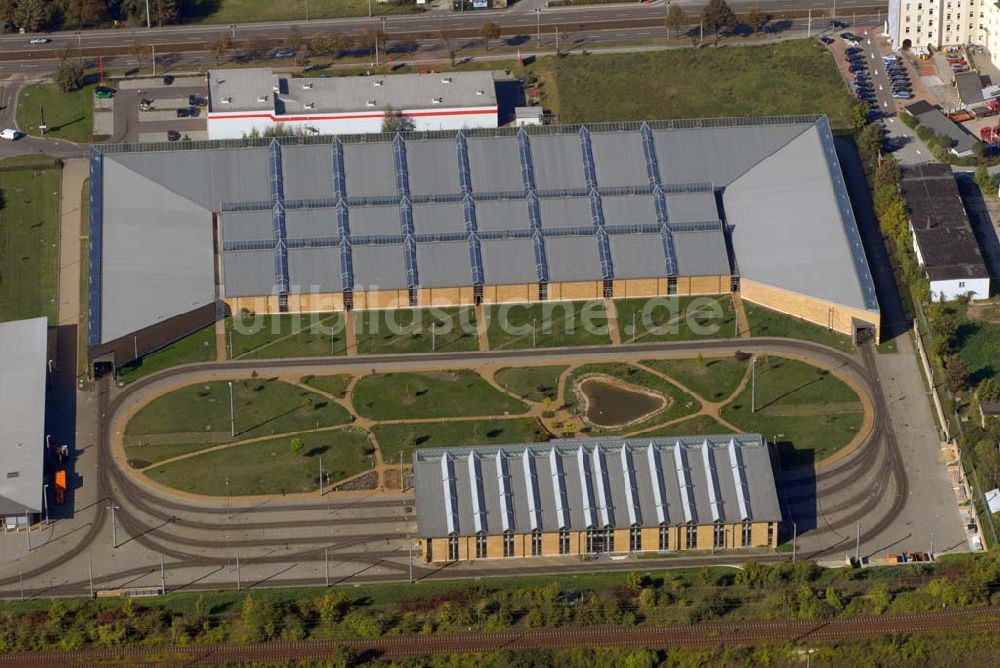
x,y
234,125
817,311
436,549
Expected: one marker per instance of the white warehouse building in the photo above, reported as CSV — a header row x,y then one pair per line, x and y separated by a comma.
x,y
241,102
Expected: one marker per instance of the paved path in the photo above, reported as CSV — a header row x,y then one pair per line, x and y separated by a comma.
x,y
74,174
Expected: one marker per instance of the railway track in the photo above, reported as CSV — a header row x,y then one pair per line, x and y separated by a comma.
x,y
164,525
705,635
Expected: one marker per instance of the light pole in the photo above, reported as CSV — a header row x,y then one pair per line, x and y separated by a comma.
x,y
369,8
45,502
433,336
538,25
90,575
229,507
533,333
795,533
27,523
114,525
149,22
232,413
753,384
326,564
321,475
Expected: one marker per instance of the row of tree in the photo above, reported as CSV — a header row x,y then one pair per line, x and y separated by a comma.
x,y
38,15
715,17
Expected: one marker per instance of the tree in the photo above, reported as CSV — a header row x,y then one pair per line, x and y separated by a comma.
x,y
833,599
393,121
880,597
341,44
489,30
756,19
989,390
677,20
859,116
717,15
83,12
32,15
984,180
958,373
296,446
69,75
255,47
320,45
221,47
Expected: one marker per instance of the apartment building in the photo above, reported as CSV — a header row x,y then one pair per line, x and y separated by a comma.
x,y
939,23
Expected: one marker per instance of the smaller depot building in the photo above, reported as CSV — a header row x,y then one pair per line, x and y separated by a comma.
x,y
246,101
23,359
594,496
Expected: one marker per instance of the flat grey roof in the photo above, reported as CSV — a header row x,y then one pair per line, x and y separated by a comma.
x,y
23,365
779,180
444,264
932,117
594,483
241,89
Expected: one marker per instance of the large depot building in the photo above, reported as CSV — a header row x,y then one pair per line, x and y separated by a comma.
x,y
593,496
182,234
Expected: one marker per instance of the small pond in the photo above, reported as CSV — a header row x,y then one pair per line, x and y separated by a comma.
x,y
610,404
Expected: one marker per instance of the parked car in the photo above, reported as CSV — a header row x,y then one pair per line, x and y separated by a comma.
x,y
846,35
902,95
40,40
195,101
184,112
145,105
853,49
10,133
168,80
284,53
837,23
104,92
826,40
173,135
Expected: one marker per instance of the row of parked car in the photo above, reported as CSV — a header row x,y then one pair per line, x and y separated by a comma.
x,y
863,86
897,77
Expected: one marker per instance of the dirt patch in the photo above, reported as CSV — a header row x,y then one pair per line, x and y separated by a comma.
x,y
984,313
364,481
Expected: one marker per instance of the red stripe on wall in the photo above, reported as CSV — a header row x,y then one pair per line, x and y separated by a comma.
x,y
334,117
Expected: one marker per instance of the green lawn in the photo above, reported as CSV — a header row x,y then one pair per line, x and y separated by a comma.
x,y
793,77
29,239
979,347
141,454
534,383
699,425
289,335
197,347
344,452
807,411
714,378
336,385
765,322
262,407
253,11
676,318
581,323
67,115
409,330
394,439
680,403
401,396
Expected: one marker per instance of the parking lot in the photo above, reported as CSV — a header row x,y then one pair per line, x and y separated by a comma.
x,y
860,59
136,122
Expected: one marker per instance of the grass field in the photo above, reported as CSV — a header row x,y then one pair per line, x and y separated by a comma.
x,y
295,335
979,347
335,385
197,347
409,330
808,410
534,383
554,324
765,322
403,437
699,425
262,407
402,396
680,403
344,452
142,454
713,378
793,77
29,238
675,318
67,115
252,11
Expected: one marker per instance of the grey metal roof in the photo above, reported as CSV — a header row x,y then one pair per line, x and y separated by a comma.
x,y
157,254
314,270
757,162
970,88
240,89
595,484
444,264
400,91
788,230
701,253
933,118
23,364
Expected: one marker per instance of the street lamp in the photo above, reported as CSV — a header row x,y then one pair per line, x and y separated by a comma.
x,y
538,24
114,525
45,502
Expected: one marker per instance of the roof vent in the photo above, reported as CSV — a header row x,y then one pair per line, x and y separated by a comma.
x,y
262,98
370,103
437,100
276,88
307,86
377,82
446,80
13,474
227,100
310,105
480,92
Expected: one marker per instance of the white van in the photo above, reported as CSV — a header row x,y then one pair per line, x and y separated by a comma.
x,y
9,133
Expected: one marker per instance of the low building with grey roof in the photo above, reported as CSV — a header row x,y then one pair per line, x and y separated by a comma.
x,y
601,211
23,367
595,495
253,101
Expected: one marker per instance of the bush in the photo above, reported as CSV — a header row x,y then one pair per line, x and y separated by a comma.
x,y
909,121
69,75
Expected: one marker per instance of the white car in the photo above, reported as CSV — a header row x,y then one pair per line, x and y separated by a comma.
x,y
40,40
9,133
